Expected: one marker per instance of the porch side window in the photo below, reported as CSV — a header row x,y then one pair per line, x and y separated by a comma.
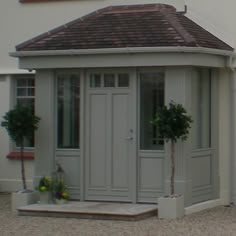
x,y
68,111
25,96
151,98
201,113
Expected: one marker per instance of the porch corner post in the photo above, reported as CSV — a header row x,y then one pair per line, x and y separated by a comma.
x,y
82,135
134,151
178,89
232,172
45,135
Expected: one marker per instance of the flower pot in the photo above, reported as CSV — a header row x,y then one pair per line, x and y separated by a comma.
x,y
19,199
171,207
45,197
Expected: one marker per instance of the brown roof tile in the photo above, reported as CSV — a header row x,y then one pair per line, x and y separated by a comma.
x,y
150,25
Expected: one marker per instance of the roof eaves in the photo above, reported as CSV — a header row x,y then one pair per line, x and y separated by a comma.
x,y
74,52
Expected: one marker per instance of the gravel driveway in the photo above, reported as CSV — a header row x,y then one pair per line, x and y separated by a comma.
x,y
217,221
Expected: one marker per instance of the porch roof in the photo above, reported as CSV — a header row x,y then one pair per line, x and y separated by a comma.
x,y
132,26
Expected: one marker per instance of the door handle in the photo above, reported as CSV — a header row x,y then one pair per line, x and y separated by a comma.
x,y
129,138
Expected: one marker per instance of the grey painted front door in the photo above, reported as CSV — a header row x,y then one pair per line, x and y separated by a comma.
x,y
108,137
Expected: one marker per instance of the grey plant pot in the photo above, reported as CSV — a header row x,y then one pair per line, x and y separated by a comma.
x,y
19,199
171,207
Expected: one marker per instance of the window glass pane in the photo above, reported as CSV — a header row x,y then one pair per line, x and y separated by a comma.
x,y
68,108
25,97
21,83
30,83
30,91
109,80
201,113
95,80
26,102
21,91
123,80
151,98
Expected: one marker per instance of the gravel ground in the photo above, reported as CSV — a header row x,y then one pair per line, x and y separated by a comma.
x,y
217,221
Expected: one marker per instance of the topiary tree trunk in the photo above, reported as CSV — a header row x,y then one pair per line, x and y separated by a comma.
x,y
24,185
173,123
172,178
20,123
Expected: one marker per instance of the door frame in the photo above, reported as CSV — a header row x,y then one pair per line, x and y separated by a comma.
x,y
133,121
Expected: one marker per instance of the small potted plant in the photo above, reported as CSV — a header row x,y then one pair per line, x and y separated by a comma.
x,y
173,124
61,195
45,189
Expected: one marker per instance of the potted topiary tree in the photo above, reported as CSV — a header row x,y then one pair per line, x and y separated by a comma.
x,y
20,124
173,123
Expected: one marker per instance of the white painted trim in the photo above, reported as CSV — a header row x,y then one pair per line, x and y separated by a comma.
x,y
124,60
73,52
15,71
203,206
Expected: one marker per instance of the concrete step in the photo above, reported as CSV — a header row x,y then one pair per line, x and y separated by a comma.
x,y
91,210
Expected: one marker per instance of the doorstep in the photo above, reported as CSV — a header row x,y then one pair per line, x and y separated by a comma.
x,y
91,210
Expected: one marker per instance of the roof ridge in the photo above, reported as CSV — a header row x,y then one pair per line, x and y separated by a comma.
x,y
174,21
140,8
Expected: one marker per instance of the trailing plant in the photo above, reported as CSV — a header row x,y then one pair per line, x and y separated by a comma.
x,y
173,123
60,190
20,124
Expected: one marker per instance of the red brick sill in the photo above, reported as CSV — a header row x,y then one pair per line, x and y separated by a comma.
x,y
16,156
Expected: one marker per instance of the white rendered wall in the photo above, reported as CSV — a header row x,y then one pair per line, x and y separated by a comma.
x,y
216,16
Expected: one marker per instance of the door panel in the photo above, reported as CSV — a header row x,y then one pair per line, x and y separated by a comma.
x,y
108,144
97,140
120,143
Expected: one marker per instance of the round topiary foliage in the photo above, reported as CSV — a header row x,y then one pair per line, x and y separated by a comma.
x,y
20,123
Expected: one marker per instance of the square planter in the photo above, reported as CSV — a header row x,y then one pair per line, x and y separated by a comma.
x,y
171,207
45,197
19,199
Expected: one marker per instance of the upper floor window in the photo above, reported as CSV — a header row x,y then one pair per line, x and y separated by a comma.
x,y
25,95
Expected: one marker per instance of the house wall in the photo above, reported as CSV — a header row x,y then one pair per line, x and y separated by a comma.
x,y
216,17
16,26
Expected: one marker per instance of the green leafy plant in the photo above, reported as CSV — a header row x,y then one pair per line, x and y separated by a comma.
x,y
20,124
45,184
60,191
173,123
